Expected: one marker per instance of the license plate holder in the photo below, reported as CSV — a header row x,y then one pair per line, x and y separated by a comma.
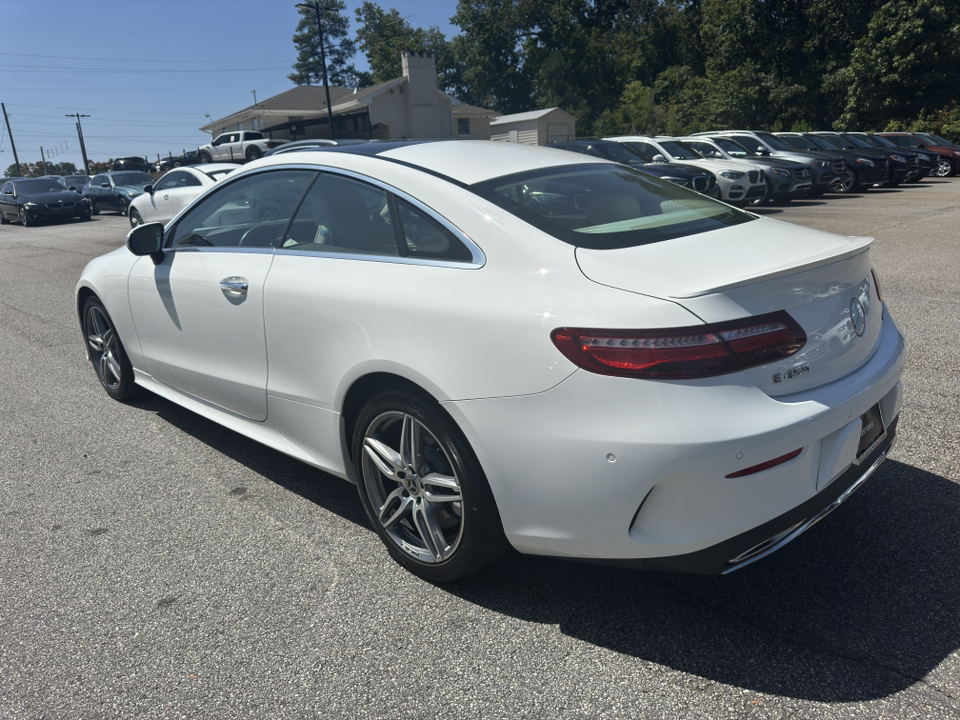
x,y
872,433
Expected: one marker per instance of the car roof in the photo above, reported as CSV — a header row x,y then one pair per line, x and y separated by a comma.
x,y
461,161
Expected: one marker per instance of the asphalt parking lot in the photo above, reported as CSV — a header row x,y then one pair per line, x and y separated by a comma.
x,y
156,565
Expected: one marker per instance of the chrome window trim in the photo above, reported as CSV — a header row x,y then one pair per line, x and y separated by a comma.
x,y
478,259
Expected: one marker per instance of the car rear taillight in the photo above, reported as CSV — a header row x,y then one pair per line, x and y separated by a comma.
x,y
682,353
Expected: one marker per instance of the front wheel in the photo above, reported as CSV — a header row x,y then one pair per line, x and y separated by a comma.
x,y
106,351
135,218
846,183
254,153
205,157
94,210
122,206
943,169
423,488
24,218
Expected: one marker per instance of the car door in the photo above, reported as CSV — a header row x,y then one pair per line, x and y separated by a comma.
x,y
95,188
8,203
199,311
158,207
187,188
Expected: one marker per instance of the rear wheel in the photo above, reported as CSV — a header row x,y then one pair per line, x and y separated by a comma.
x,y
106,351
423,488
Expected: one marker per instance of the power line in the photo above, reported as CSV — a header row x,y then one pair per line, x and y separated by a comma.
x,y
205,61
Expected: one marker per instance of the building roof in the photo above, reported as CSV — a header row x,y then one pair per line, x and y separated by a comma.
x,y
296,100
521,117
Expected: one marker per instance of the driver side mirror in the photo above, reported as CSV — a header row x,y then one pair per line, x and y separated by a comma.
x,y
148,189
147,240
659,158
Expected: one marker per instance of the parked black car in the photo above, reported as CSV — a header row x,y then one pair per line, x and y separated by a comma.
x,y
76,182
31,200
900,157
865,168
926,161
131,163
683,175
115,190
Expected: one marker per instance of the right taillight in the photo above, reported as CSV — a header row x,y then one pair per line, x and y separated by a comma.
x,y
683,353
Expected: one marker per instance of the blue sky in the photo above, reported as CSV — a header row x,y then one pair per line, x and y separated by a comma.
x,y
147,72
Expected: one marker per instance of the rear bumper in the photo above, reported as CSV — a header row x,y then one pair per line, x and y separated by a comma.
x,y
752,545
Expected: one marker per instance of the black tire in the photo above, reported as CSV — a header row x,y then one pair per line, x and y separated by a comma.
x,y
24,218
442,534
846,183
767,196
135,218
254,153
85,217
122,206
944,168
106,352
94,210
204,157
178,164
3,218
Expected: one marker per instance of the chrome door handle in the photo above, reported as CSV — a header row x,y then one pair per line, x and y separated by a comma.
x,y
166,197
234,285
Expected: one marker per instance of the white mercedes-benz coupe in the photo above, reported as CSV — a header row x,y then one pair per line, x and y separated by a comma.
x,y
512,345
161,201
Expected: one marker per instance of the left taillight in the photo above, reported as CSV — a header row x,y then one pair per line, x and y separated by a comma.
x,y
683,353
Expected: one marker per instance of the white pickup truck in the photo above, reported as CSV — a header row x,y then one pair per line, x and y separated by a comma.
x,y
237,146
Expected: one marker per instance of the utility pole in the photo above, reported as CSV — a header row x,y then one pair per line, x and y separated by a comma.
x,y
83,149
323,56
43,160
12,144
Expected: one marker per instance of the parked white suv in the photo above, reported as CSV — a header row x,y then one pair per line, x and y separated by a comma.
x,y
237,146
739,183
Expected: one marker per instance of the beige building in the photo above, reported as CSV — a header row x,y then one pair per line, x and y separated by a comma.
x,y
407,107
537,127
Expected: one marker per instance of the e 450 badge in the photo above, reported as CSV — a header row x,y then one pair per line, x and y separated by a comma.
x,y
791,373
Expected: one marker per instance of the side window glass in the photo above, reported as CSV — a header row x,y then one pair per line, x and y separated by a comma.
x,y
188,180
427,238
251,212
343,215
167,181
6,189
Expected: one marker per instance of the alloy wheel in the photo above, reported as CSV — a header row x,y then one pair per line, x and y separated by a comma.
x,y
103,343
413,487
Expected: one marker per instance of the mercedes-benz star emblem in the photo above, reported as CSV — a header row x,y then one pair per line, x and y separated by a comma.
x,y
858,317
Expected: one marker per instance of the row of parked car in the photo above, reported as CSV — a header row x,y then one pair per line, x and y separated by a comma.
x,y
743,167
740,167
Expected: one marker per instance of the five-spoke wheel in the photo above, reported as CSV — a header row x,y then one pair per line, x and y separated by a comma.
x,y
106,351
135,218
423,489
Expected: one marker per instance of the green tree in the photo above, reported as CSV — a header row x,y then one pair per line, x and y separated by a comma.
x,y
384,35
488,50
339,48
907,64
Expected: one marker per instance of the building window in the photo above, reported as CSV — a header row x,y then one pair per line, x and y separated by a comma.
x,y
463,126
239,126
255,123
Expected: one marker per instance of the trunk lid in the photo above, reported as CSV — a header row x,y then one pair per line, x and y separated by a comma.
x,y
823,280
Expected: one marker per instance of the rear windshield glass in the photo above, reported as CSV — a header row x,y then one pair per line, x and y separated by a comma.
x,y
605,207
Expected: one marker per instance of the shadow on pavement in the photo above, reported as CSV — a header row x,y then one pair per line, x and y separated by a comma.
x,y
864,605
